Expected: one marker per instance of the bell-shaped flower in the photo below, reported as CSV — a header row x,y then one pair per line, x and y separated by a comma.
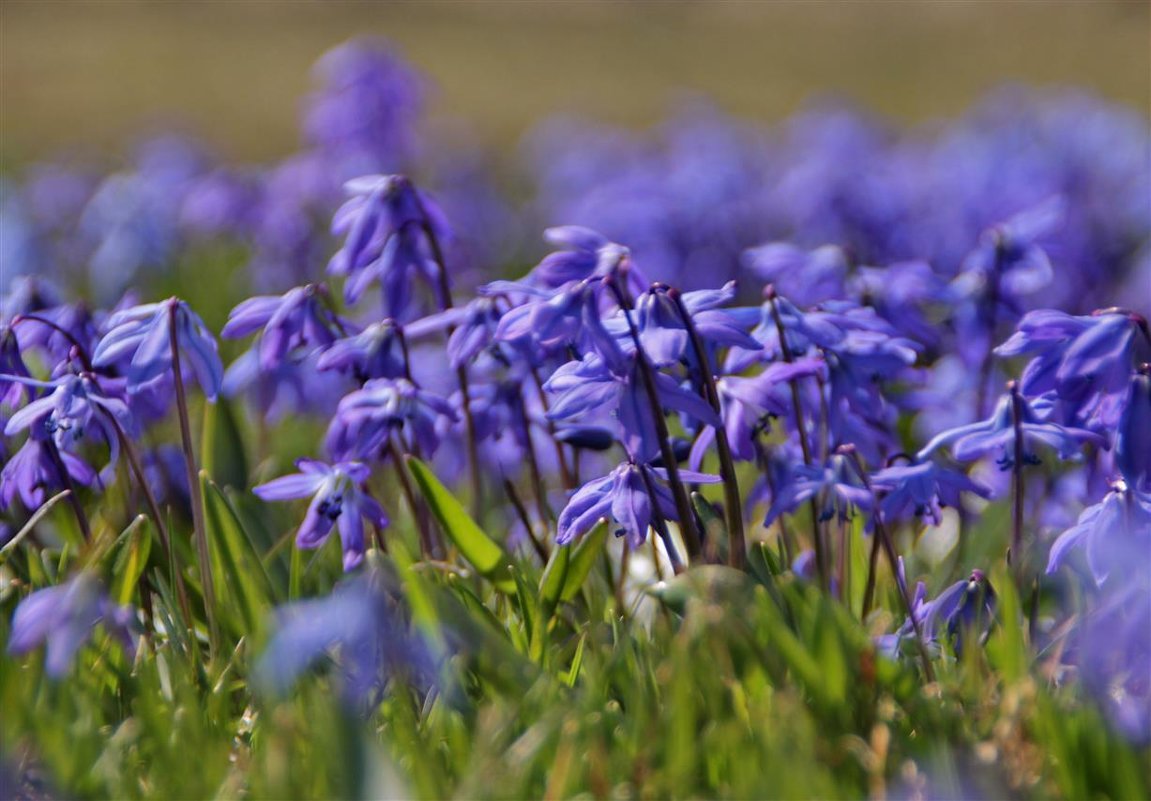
x,y
585,254
375,352
625,497
474,325
1113,535
835,486
12,368
386,225
966,606
76,407
921,489
298,319
64,617
807,276
358,626
996,435
140,336
663,332
33,472
338,498
1133,436
367,417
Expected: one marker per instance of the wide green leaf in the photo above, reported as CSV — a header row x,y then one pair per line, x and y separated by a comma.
x,y
480,550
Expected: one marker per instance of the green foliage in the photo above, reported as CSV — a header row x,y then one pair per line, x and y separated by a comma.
x,y
715,683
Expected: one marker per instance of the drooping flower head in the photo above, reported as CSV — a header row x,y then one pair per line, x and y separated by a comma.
x,y
296,320
922,489
140,338
64,617
367,417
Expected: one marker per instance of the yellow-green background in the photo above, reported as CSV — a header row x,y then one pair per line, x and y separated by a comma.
x,y
95,74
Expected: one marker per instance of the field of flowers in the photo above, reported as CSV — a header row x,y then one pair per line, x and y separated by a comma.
x,y
802,461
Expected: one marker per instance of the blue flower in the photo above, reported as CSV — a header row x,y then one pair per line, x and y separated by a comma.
x,y
338,497
64,617
967,605
475,328
837,483
375,352
140,335
1085,361
586,255
1133,436
921,488
357,626
622,496
366,418
1114,536
386,224
587,387
32,472
75,408
809,277
296,320
662,330
996,435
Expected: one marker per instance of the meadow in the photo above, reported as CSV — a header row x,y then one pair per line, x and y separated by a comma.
x,y
804,459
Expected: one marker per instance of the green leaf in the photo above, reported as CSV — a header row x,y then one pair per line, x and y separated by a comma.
x,y
132,558
44,509
483,553
241,578
552,581
582,560
222,446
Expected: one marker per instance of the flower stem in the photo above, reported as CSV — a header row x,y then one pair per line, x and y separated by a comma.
x,y
199,531
647,375
889,549
1015,554
737,543
801,431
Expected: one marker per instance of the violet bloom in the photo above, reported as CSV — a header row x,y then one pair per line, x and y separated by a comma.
x,y
966,606
475,324
1010,254
1133,437
996,435
809,277
375,352
141,336
1086,360
293,321
12,367
366,418
64,617
588,387
338,496
1114,535
357,625
921,489
622,496
664,335
748,404
386,225
33,472
586,255
835,485
75,408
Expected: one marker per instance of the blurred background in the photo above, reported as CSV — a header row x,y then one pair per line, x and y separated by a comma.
x,y
93,76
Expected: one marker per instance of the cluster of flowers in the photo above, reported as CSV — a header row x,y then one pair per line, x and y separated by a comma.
x,y
587,367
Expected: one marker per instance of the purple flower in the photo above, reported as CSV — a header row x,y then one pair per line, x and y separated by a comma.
x,y
1011,256
837,483
366,418
386,225
64,617
921,489
664,335
1086,361
338,496
141,336
967,605
75,408
375,352
358,625
1114,535
12,367
622,496
33,471
476,325
1133,436
586,255
747,404
587,387
295,320
996,435
809,277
